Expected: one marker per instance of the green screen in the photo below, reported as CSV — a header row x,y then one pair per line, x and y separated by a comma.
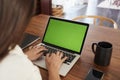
x,y
65,34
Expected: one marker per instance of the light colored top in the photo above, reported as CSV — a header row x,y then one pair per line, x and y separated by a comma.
x,y
16,66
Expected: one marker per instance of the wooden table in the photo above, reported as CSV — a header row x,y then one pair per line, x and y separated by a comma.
x,y
81,68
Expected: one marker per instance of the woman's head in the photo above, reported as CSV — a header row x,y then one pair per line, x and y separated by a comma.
x,y
14,17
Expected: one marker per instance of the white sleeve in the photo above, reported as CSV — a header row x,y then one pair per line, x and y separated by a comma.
x,y
35,75
29,67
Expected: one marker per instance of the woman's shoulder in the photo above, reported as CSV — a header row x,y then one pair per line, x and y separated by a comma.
x,y
17,65
17,58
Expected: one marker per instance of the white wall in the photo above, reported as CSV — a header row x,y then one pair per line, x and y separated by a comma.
x,y
70,2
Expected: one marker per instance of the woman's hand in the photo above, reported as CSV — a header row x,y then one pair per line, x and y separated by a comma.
x,y
35,52
54,61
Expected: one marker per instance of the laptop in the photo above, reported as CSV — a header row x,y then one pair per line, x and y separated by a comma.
x,y
66,36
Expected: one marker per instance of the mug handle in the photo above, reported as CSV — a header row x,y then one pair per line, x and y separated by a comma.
x,y
93,47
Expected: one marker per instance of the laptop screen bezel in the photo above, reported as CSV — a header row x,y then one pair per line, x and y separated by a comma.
x,y
58,47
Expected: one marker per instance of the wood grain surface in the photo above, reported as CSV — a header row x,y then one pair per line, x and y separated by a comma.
x,y
95,34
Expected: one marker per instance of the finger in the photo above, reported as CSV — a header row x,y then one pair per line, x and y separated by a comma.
x,y
47,55
53,54
30,47
39,49
42,50
35,46
63,59
58,53
61,54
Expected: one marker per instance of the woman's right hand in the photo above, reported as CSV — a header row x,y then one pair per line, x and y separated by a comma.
x,y
54,61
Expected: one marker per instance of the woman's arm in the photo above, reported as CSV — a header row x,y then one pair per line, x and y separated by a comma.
x,y
53,63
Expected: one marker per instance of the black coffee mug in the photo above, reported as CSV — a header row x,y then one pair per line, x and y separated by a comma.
x,y
103,52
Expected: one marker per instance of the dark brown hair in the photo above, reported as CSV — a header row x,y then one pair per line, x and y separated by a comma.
x,y
14,17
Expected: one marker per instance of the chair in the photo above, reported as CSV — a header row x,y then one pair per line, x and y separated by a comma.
x,y
98,20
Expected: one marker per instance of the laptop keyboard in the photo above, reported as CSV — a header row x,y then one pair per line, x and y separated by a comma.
x,y
50,50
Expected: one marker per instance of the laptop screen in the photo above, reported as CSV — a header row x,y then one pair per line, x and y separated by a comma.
x,y
65,34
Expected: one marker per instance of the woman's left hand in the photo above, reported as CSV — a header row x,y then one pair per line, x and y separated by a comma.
x,y
35,52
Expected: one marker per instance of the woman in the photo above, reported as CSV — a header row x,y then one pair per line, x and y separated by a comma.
x,y
14,64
